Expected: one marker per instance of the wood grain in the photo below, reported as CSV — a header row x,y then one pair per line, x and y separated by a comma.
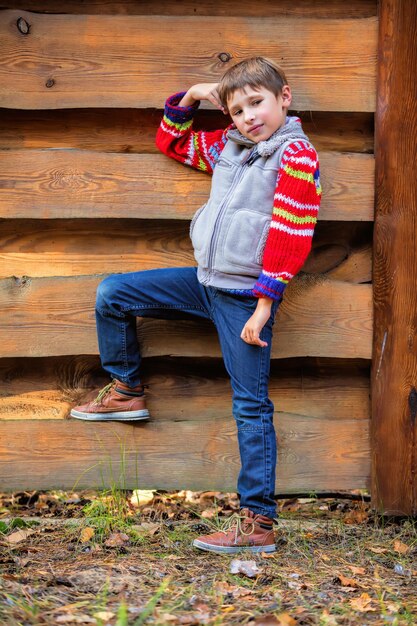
x,y
185,389
315,454
68,61
47,184
55,316
227,8
394,406
76,247
134,130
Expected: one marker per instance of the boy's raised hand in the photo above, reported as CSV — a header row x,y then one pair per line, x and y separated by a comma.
x,y
203,91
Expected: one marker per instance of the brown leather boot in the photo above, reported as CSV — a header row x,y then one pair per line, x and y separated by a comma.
x,y
115,402
244,531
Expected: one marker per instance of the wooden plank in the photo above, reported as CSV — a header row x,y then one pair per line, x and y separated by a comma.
x,y
357,267
342,254
113,61
315,454
301,8
394,407
134,130
55,316
184,389
45,184
76,247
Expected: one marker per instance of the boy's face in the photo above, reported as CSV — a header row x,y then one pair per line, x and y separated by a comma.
x,y
258,113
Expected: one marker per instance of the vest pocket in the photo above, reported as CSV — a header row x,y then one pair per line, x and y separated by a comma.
x,y
262,243
198,236
245,240
195,218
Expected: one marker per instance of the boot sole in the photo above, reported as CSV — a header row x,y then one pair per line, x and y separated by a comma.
x,y
117,416
232,550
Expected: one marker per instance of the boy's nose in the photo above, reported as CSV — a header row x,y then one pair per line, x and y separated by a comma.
x,y
249,116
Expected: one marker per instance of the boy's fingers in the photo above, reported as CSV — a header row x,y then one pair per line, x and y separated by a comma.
x,y
214,99
252,338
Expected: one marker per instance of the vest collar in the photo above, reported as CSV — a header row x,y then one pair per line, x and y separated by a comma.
x,y
291,131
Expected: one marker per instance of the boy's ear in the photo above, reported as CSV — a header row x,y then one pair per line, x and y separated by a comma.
x,y
286,96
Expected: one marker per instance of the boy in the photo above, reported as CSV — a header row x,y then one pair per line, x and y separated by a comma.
x,y
250,238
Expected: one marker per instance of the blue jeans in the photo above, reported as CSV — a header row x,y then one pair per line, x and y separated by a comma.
x,y
174,293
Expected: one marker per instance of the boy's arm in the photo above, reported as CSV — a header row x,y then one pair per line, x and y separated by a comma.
x,y
294,216
176,139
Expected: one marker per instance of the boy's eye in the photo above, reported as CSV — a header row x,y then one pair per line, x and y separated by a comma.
x,y
256,102
237,112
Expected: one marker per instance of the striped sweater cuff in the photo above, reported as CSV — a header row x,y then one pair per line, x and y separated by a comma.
x,y
269,287
179,114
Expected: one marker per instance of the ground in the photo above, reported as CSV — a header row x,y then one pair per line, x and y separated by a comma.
x,y
125,559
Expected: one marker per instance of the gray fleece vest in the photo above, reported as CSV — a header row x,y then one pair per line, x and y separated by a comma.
x,y
229,232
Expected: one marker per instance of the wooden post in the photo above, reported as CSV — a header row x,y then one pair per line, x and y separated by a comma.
x,y
394,370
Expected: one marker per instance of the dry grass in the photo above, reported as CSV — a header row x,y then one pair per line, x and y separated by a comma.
x,y
95,559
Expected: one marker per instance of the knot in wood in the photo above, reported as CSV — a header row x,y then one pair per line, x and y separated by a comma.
x,y
23,26
412,403
224,57
50,82
22,281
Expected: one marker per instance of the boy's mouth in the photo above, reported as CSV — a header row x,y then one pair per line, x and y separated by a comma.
x,y
255,128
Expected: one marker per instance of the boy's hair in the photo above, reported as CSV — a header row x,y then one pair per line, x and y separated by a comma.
x,y
254,72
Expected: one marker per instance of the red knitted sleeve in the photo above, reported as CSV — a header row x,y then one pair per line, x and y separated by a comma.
x,y
294,216
176,139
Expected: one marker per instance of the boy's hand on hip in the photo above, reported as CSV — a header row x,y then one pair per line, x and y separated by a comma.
x,y
253,327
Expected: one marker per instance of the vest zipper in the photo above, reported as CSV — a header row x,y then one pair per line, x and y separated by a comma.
x,y
251,157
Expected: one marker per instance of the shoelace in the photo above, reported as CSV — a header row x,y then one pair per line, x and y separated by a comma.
x,y
236,521
103,392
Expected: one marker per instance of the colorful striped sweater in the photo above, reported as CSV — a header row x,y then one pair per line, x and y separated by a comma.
x,y
296,201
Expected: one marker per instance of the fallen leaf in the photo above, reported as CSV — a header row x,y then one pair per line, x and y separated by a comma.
x,y
19,535
401,547
283,619
210,513
357,516
363,603
379,550
248,568
227,609
267,555
267,620
189,620
348,582
141,496
86,534
357,570
116,540
223,587
148,527
168,617
104,615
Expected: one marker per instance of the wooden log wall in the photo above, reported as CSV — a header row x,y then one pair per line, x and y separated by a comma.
x,y
84,193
